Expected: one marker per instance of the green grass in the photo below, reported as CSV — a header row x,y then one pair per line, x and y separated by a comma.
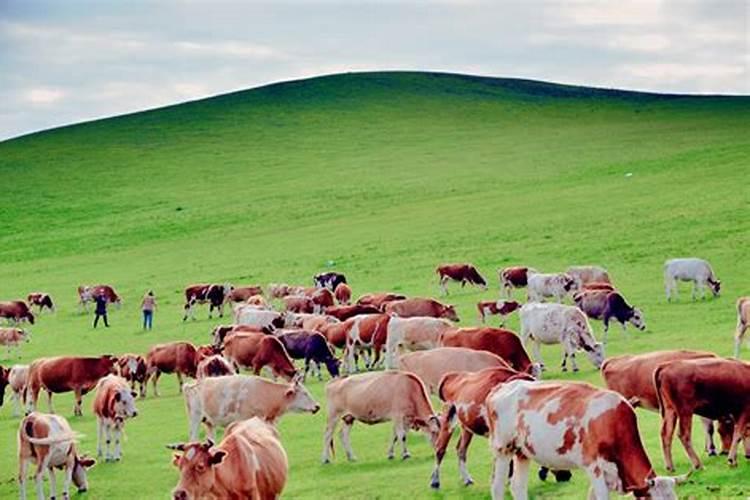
x,y
387,175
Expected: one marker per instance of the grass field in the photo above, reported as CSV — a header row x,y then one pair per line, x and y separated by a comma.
x,y
386,175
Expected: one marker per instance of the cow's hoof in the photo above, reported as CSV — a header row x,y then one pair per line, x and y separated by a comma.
x,y
435,485
724,452
543,473
325,461
564,368
711,453
468,482
405,456
732,463
390,456
670,468
575,370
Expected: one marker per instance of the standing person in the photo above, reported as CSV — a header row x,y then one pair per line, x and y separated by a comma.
x,y
101,309
148,306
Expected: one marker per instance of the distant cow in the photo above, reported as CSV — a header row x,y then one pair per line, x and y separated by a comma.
x,y
328,280
691,269
337,333
12,337
463,273
132,367
604,305
178,357
220,332
409,308
114,403
377,397
322,298
379,300
583,275
213,294
16,311
413,334
298,304
281,290
500,308
514,277
430,366
256,350
243,293
598,285
214,365
560,324
41,300
343,294
743,322
248,463
310,346
88,293
342,313
17,376
252,316
542,286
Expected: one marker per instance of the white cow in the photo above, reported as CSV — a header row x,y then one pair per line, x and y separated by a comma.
x,y
250,315
560,324
543,285
415,334
690,269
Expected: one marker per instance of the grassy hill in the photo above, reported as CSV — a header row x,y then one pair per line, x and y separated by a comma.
x,y
385,175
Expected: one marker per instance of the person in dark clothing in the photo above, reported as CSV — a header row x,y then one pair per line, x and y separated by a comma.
x,y
101,309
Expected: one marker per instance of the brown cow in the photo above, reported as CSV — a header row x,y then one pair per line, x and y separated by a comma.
x,y
65,374
281,290
743,322
132,367
342,313
12,337
4,381
16,311
258,301
88,294
173,357
41,300
337,333
430,366
243,293
299,304
362,335
514,277
499,341
343,294
408,308
213,366
256,350
219,333
599,285
321,298
113,404
379,300
496,307
463,273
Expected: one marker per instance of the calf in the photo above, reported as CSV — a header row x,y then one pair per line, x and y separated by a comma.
x,y
214,294
566,425
219,401
409,308
560,324
256,350
299,304
501,342
362,335
310,346
343,294
132,367
41,300
113,404
743,322
16,311
430,366
379,300
173,357
583,275
342,313
496,307
377,397
463,273
514,277
248,463
329,280
49,442
243,293
691,269
12,337
541,286
604,305
215,365
17,376
414,334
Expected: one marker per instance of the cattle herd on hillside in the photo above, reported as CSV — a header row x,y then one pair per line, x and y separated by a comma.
x,y
487,382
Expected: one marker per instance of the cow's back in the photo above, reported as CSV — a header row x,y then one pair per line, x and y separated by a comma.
x,y
431,366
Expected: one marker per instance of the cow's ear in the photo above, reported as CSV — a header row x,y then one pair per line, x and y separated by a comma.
x,y
216,457
176,459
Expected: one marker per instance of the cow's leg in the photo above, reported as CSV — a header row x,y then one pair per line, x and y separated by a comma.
x,y
118,448
519,482
346,428
142,388
606,330
739,431
564,364
351,364
23,470
725,426
447,423
708,427
99,436
739,336
573,361
500,475
394,440
401,432
41,467
366,352
52,483
179,382
599,489
77,409
156,376
68,478
333,419
685,431
210,429
443,289
462,450
695,289
16,398
670,286
538,352
108,446
49,402
668,421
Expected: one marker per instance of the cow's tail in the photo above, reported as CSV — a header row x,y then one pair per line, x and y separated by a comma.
x,y
66,437
658,388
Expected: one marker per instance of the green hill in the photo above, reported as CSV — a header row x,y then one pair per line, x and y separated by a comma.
x,y
382,176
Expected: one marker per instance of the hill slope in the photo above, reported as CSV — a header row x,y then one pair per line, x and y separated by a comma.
x,y
386,175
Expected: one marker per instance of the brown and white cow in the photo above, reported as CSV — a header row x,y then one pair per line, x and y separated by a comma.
x,y
41,300
249,462
569,425
604,305
299,304
582,275
88,293
219,401
343,294
322,298
500,308
243,293
377,397
212,293
514,277
13,337
308,321
409,308
17,376
49,442
215,365
16,311
256,350
379,300
178,357
342,313
114,403
413,334
365,328
133,368
549,285
65,374
743,323
463,273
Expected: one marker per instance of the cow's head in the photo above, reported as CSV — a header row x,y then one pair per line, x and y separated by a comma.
x,y
637,319
715,287
661,487
197,464
300,399
29,316
124,404
334,366
430,426
449,312
535,370
109,363
595,353
568,282
79,472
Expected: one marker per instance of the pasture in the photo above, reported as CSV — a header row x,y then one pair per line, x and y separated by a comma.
x,y
381,176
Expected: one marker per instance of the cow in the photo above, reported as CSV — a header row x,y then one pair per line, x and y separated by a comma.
x,y
604,305
409,308
41,300
514,277
219,401
114,403
310,346
322,298
258,301
743,322
342,313
252,316
12,337
541,286
133,368
87,293
598,285
463,394
583,275
496,307
249,462
256,350
214,294
65,374
173,357
220,332
243,293
343,294
4,381
281,290
498,341
17,376
365,330
463,273
337,333
430,366
560,324
214,365
307,321
376,397
299,304
49,442
567,425
413,334
16,311
690,269
713,388
379,300
329,280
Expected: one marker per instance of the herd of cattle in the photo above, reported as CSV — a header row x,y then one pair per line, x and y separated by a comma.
x,y
487,382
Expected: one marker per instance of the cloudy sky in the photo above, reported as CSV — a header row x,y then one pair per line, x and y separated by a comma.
x,y
67,61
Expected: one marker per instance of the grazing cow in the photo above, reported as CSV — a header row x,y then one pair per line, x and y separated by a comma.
x,y
409,308
496,307
691,269
583,275
430,366
343,294
743,322
713,388
16,311
514,277
243,293
342,313
498,341
328,280
299,304
179,358
377,397
213,294
566,425
598,285
113,404
464,393
281,290
12,337
464,273
249,315
49,442
322,298
215,365
541,286
65,374
310,346
379,300
560,324
604,305
4,381
366,331
413,334
133,368
219,401
17,376
41,300
221,332
256,350
88,293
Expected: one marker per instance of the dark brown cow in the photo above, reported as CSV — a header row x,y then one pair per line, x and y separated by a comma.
x,y
409,308
463,273
179,358
66,374
41,300
133,368
514,277
213,294
496,307
298,304
504,343
342,313
256,350
16,311
379,300
242,293
343,294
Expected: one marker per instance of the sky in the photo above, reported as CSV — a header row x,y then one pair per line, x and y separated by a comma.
x,y
68,61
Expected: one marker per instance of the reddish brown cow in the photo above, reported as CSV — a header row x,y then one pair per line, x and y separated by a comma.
x,y
504,343
219,333
343,294
514,277
4,380
87,294
243,293
65,374
132,367
463,273
408,308
496,307
179,358
41,300
256,350
298,304
16,311
322,298
379,300
342,313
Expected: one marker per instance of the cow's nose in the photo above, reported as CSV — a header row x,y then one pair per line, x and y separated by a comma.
x,y
179,495
135,413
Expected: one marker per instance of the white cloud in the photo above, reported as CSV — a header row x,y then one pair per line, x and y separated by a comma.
x,y
43,96
231,48
647,42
